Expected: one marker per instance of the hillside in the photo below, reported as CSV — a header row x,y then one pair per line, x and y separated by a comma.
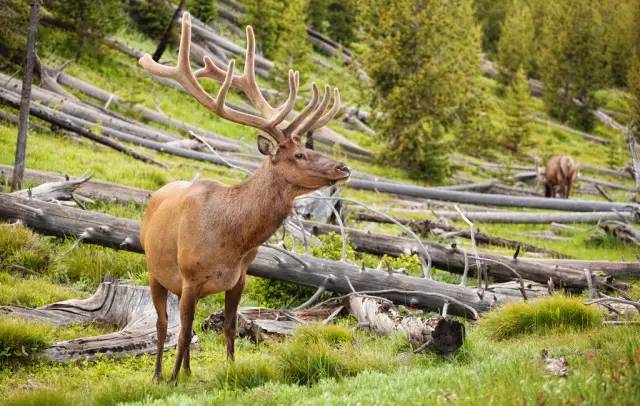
x,y
321,364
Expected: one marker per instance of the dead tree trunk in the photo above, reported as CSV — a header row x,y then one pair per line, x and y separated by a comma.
x,y
25,99
611,268
441,334
514,217
130,308
114,232
166,37
635,160
452,259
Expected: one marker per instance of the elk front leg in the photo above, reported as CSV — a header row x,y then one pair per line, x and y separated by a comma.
x,y
188,300
159,297
231,301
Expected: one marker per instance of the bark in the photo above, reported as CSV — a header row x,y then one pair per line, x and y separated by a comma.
x,y
624,232
635,161
441,334
166,37
65,122
514,217
439,229
489,199
52,191
452,259
114,232
130,308
25,99
13,119
611,268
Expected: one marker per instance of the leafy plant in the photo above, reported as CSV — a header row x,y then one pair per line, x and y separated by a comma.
x,y
20,339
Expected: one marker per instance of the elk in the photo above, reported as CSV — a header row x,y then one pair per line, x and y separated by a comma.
x,y
559,175
199,237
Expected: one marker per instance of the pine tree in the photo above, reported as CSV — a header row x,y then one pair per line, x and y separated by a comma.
x,y
619,27
517,135
204,10
265,16
422,58
572,59
516,47
491,14
336,18
293,47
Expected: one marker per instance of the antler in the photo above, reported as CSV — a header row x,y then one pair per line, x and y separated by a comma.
x,y
309,119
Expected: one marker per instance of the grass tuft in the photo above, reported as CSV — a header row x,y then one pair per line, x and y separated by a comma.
x,y
542,316
246,373
41,397
31,292
22,250
20,339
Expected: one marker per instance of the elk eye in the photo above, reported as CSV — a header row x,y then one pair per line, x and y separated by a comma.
x,y
300,156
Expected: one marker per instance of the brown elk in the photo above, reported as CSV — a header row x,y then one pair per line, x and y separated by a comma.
x,y
200,237
559,175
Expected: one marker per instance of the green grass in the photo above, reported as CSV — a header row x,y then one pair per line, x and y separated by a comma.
x,y
542,316
20,339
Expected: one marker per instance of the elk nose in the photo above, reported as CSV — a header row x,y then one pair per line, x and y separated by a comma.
x,y
344,169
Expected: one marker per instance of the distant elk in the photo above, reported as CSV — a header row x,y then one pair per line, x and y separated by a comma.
x,y
559,175
200,237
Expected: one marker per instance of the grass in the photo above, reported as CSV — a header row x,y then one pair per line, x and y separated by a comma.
x,y
20,339
542,316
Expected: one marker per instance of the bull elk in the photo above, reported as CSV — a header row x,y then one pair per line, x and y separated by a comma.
x,y
199,237
559,175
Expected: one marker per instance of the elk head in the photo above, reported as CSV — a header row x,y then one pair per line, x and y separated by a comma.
x,y
279,141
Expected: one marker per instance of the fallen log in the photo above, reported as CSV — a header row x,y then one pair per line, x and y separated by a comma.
x,y
531,175
489,199
13,119
623,232
66,122
453,259
128,307
612,268
518,217
426,227
589,137
118,233
89,113
441,334
218,141
53,191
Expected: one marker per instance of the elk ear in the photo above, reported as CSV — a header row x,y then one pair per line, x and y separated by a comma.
x,y
265,146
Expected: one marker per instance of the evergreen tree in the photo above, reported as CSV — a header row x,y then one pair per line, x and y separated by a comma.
x,y
336,18
572,61
13,18
491,14
204,10
422,58
517,135
151,16
516,47
619,28
265,16
88,22
294,47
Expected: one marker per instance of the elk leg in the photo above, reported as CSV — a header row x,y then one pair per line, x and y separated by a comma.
x,y
231,301
548,191
188,300
159,297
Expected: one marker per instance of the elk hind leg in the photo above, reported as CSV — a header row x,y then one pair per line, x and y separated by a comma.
x,y
188,300
159,298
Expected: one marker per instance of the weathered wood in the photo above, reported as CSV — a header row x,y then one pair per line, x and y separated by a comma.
x,y
624,232
114,232
453,260
52,191
66,122
426,227
13,119
531,175
635,160
612,268
489,199
441,334
519,217
128,307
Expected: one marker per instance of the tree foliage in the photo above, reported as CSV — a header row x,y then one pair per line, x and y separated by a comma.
x,y
572,59
491,14
293,48
151,16
336,18
265,18
204,10
13,18
87,22
516,47
619,35
517,106
422,58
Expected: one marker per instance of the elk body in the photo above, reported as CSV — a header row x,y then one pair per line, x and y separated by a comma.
x,y
559,176
200,237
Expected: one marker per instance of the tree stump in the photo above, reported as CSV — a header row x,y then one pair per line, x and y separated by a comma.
x,y
118,303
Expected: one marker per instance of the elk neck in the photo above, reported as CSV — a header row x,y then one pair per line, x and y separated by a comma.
x,y
265,199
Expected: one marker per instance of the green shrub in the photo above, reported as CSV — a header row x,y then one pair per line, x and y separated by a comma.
x,y
20,339
541,316
41,397
151,16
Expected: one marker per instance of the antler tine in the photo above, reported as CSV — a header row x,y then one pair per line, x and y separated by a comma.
x,y
290,102
308,123
313,103
334,110
224,89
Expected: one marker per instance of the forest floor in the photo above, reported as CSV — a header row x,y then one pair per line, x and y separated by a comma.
x,y
318,365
